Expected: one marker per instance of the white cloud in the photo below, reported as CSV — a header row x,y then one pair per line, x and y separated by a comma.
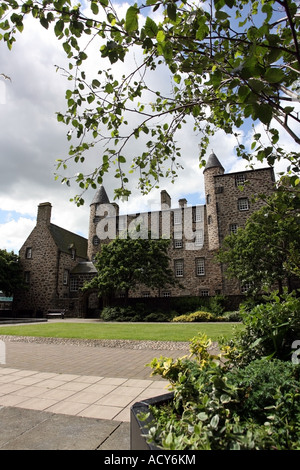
x,y
14,233
32,139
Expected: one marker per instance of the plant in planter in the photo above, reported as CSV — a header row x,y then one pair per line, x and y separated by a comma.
x,y
217,407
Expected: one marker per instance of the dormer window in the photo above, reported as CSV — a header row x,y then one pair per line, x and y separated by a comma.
x,y
72,250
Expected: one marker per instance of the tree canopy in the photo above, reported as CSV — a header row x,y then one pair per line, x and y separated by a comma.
x,y
124,264
231,62
266,253
11,275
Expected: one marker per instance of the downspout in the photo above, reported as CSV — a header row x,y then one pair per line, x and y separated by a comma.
x,y
57,273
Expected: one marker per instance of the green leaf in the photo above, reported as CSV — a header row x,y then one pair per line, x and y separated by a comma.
x,y
131,21
263,112
150,28
172,11
94,8
160,36
274,75
59,27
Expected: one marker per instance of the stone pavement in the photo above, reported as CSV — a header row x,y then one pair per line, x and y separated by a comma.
x,y
62,396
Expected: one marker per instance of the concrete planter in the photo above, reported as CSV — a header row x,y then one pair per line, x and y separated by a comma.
x,y
138,429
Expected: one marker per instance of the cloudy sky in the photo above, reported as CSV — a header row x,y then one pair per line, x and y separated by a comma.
x,y
31,140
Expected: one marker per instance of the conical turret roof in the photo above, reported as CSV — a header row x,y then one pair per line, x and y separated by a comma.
x,y
100,196
213,162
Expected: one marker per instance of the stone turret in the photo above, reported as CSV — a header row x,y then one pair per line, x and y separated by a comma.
x,y
213,168
101,208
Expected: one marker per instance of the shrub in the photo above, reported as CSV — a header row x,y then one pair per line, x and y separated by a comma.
x,y
194,317
118,314
216,408
232,316
270,330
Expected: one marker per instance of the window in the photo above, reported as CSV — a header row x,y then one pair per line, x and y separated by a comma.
x,y
243,204
199,238
198,214
122,222
145,294
73,253
66,277
177,217
204,292
178,243
73,284
200,267
179,268
27,277
96,240
233,228
208,199
166,294
245,287
209,219
28,254
240,179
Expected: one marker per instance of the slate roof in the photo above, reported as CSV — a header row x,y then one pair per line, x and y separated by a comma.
x,y
100,197
66,240
85,267
213,162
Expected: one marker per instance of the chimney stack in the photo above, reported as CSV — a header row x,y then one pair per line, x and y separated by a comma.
x,y
165,200
44,213
182,202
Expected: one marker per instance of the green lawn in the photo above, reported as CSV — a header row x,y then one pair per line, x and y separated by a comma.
x,y
130,331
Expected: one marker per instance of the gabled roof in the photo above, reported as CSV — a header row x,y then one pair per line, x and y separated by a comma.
x,y
100,197
66,240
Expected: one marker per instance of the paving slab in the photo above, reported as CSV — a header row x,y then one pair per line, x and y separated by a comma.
x,y
23,429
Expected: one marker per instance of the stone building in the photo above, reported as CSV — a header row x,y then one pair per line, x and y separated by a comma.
x,y
56,262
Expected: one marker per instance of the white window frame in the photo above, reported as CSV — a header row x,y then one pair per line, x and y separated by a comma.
x,y
199,238
233,228
204,293
73,284
198,214
66,277
243,204
177,217
240,179
178,243
200,266
179,267
245,287
96,240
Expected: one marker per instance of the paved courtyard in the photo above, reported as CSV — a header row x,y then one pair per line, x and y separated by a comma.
x,y
59,381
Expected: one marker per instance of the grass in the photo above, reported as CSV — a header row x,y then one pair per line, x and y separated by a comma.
x,y
129,331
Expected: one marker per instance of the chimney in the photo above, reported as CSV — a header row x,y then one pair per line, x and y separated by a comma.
x,y
182,202
165,200
44,213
